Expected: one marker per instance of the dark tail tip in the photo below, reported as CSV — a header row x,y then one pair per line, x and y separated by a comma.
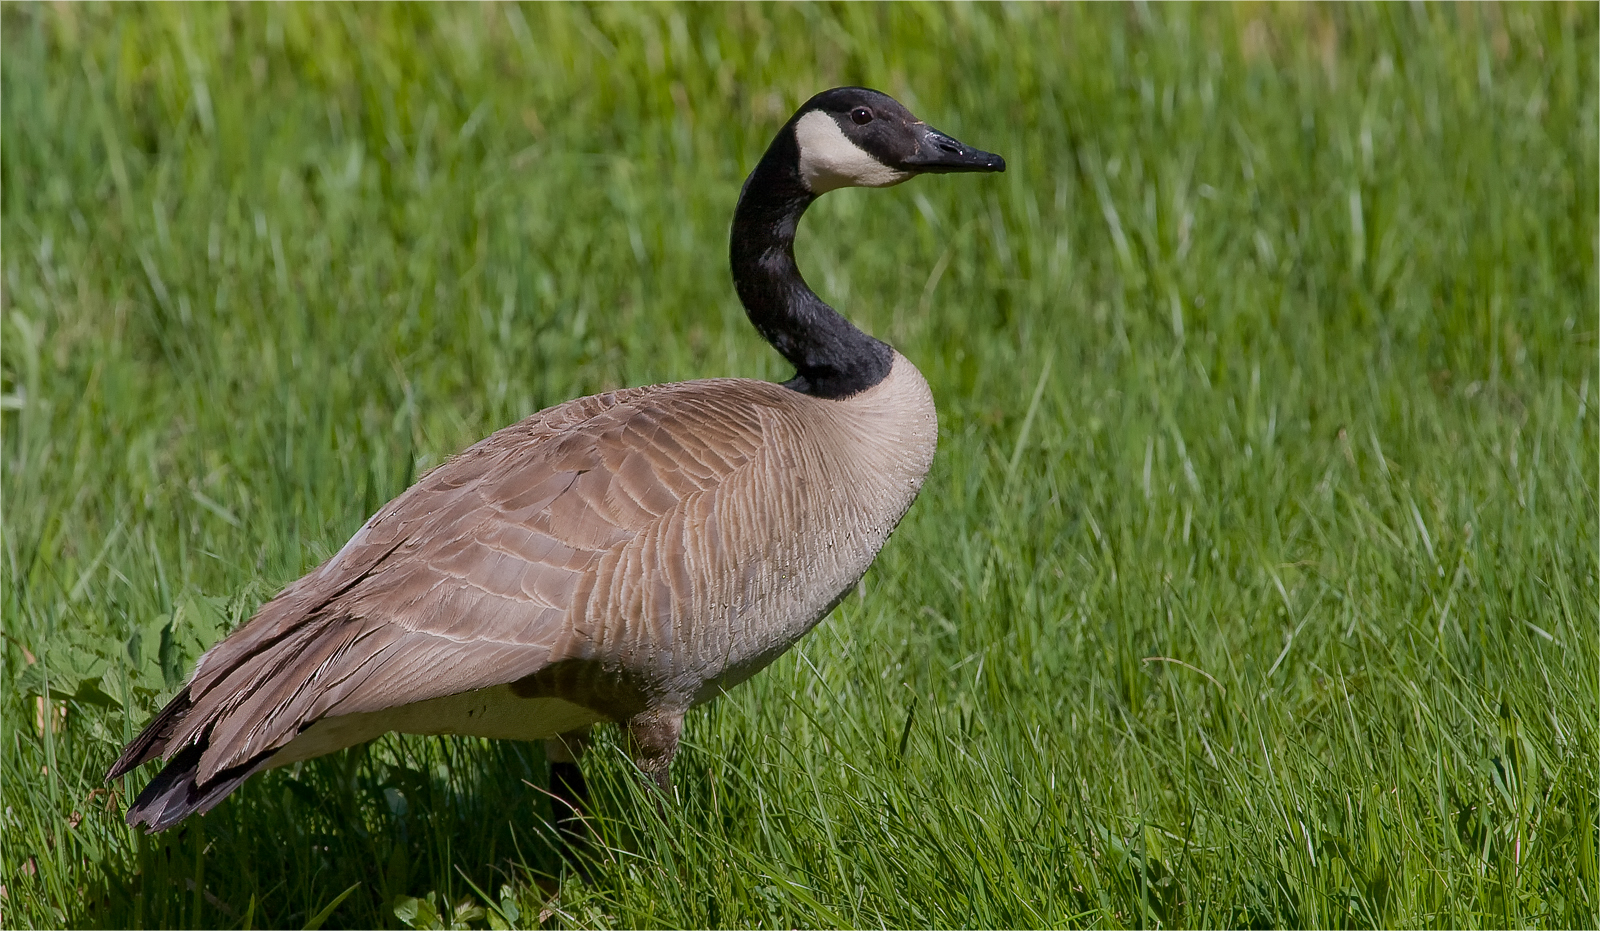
x,y
174,795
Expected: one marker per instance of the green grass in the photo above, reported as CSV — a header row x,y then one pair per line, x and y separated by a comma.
x,y
1255,583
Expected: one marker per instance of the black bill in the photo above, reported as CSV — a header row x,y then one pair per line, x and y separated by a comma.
x,y
939,154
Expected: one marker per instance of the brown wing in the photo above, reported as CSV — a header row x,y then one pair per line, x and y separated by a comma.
x,y
469,579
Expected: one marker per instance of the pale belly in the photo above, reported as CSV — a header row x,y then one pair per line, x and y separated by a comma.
x,y
492,712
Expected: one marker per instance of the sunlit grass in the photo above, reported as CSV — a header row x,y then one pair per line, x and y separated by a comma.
x,y
1255,583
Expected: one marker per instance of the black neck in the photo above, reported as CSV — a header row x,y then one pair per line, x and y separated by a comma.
x,y
832,358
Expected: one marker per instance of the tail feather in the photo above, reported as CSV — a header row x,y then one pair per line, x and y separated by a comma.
x,y
174,795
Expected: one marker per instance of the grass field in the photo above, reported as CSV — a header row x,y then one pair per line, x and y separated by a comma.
x,y
1255,583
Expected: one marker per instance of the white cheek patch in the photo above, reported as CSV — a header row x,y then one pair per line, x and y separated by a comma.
x,y
829,160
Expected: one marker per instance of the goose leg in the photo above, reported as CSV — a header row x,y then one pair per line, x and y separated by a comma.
x,y
653,740
569,793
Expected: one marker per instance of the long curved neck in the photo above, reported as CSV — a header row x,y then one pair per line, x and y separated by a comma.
x,y
832,358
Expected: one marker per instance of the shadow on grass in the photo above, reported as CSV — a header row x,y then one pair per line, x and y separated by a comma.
x,y
395,817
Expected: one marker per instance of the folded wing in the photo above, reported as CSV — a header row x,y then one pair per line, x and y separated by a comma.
x,y
474,577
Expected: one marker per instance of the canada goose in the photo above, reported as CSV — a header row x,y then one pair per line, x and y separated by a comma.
x,y
621,557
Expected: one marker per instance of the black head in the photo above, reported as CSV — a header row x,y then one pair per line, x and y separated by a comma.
x,y
857,137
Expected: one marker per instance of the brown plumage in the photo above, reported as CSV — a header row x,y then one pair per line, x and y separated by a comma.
x,y
620,557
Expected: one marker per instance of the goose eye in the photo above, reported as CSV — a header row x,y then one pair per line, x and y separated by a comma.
x,y
861,116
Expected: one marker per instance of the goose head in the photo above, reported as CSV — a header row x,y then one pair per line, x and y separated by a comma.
x,y
858,137
844,137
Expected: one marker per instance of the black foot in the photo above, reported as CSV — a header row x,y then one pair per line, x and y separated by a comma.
x,y
568,803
